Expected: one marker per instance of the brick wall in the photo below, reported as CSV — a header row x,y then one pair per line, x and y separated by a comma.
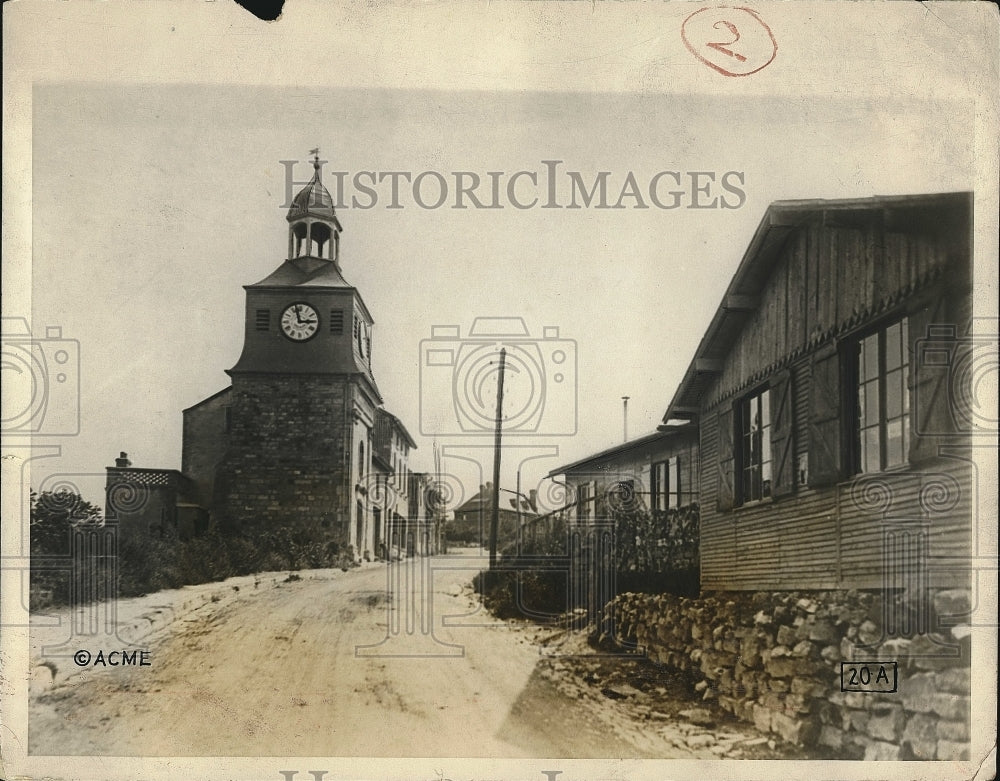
x,y
288,457
774,659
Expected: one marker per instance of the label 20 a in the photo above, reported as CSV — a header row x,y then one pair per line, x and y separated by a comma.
x,y
868,676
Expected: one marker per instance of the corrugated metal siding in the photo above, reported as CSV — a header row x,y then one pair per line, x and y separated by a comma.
x,y
717,548
834,538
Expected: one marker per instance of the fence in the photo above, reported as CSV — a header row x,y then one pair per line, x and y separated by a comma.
x,y
609,544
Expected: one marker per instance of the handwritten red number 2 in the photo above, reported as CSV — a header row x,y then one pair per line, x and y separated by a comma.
x,y
723,46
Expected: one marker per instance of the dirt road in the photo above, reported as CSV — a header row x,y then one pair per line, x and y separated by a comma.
x,y
342,666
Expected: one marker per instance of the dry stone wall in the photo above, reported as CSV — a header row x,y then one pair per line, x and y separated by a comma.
x,y
774,659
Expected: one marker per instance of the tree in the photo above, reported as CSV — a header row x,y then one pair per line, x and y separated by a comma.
x,y
53,514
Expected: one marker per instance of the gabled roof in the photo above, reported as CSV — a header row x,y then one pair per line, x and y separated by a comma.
x,y
208,399
398,425
662,433
483,500
780,220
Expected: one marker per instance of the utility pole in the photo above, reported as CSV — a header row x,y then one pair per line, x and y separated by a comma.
x,y
625,416
517,499
495,520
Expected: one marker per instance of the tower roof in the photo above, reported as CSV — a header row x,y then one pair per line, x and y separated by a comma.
x,y
313,200
304,272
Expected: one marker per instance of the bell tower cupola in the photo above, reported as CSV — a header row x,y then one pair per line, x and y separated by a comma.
x,y
313,227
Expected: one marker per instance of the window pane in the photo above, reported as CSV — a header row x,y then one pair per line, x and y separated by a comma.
x,y
871,404
870,450
869,357
904,326
894,442
747,492
906,438
765,408
765,472
894,394
893,352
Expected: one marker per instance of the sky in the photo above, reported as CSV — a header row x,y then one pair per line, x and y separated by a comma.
x,y
153,204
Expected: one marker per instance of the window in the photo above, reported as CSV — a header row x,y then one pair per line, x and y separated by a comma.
x,y
585,502
671,484
882,413
754,451
621,495
360,337
336,321
361,459
263,319
674,495
659,486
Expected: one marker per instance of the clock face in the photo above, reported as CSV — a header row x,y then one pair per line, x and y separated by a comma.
x,y
299,322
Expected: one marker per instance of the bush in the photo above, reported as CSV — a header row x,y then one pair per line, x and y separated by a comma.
x,y
147,564
530,582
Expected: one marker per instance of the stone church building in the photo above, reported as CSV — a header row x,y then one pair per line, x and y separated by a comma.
x,y
290,441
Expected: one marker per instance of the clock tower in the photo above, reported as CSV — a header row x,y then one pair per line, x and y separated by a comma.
x,y
301,409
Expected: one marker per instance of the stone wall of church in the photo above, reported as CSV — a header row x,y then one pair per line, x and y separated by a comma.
x,y
206,438
288,458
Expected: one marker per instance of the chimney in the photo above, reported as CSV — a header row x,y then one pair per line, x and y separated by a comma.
x,y
122,461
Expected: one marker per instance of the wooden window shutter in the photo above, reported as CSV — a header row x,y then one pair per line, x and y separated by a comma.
x,y
930,397
825,427
725,455
782,436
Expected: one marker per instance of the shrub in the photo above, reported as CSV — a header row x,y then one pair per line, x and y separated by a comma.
x,y
530,582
